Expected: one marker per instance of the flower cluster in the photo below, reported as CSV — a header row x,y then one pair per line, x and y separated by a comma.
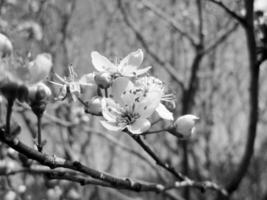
x,y
126,95
22,78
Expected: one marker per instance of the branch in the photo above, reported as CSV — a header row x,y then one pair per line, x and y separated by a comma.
x,y
131,151
221,38
173,73
254,72
229,11
101,177
169,20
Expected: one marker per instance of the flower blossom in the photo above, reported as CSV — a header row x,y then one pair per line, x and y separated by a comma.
x,y
129,107
19,75
71,86
151,84
184,126
129,66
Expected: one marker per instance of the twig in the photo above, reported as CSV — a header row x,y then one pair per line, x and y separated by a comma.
x,y
229,11
10,104
158,161
39,134
221,38
169,20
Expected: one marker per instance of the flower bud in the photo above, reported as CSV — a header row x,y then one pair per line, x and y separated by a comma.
x,y
103,80
93,106
22,93
38,97
39,92
6,47
9,89
184,126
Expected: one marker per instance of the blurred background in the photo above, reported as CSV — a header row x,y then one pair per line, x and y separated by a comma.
x,y
193,46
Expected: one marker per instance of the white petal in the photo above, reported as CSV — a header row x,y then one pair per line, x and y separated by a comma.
x,y
139,126
101,63
110,110
142,71
164,112
185,124
134,59
131,71
87,79
111,126
120,90
39,68
148,104
130,63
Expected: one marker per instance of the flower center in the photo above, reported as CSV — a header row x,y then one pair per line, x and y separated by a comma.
x,y
128,118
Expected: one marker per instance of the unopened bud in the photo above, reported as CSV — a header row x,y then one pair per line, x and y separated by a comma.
x,y
103,80
94,106
184,126
9,89
39,92
22,93
38,97
6,47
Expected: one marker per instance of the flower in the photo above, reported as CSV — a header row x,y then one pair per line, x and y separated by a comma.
x,y
129,66
152,84
184,126
93,106
6,46
128,107
71,86
18,74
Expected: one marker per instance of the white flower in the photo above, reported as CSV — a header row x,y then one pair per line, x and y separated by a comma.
x,y
6,47
18,74
184,126
260,5
71,86
152,84
28,73
129,107
129,66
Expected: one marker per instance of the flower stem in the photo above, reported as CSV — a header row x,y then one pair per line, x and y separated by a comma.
x,y
39,133
158,161
106,92
10,104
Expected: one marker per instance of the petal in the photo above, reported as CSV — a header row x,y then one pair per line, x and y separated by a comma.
x,y
164,112
142,71
87,79
131,62
101,63
111,126
148,104
40,67
120,90
111,110
139,126
131,71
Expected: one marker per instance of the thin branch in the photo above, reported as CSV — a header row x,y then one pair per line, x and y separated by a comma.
x,y
254,72
221,38
169,19
158,161
131,151
124,183
229,11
